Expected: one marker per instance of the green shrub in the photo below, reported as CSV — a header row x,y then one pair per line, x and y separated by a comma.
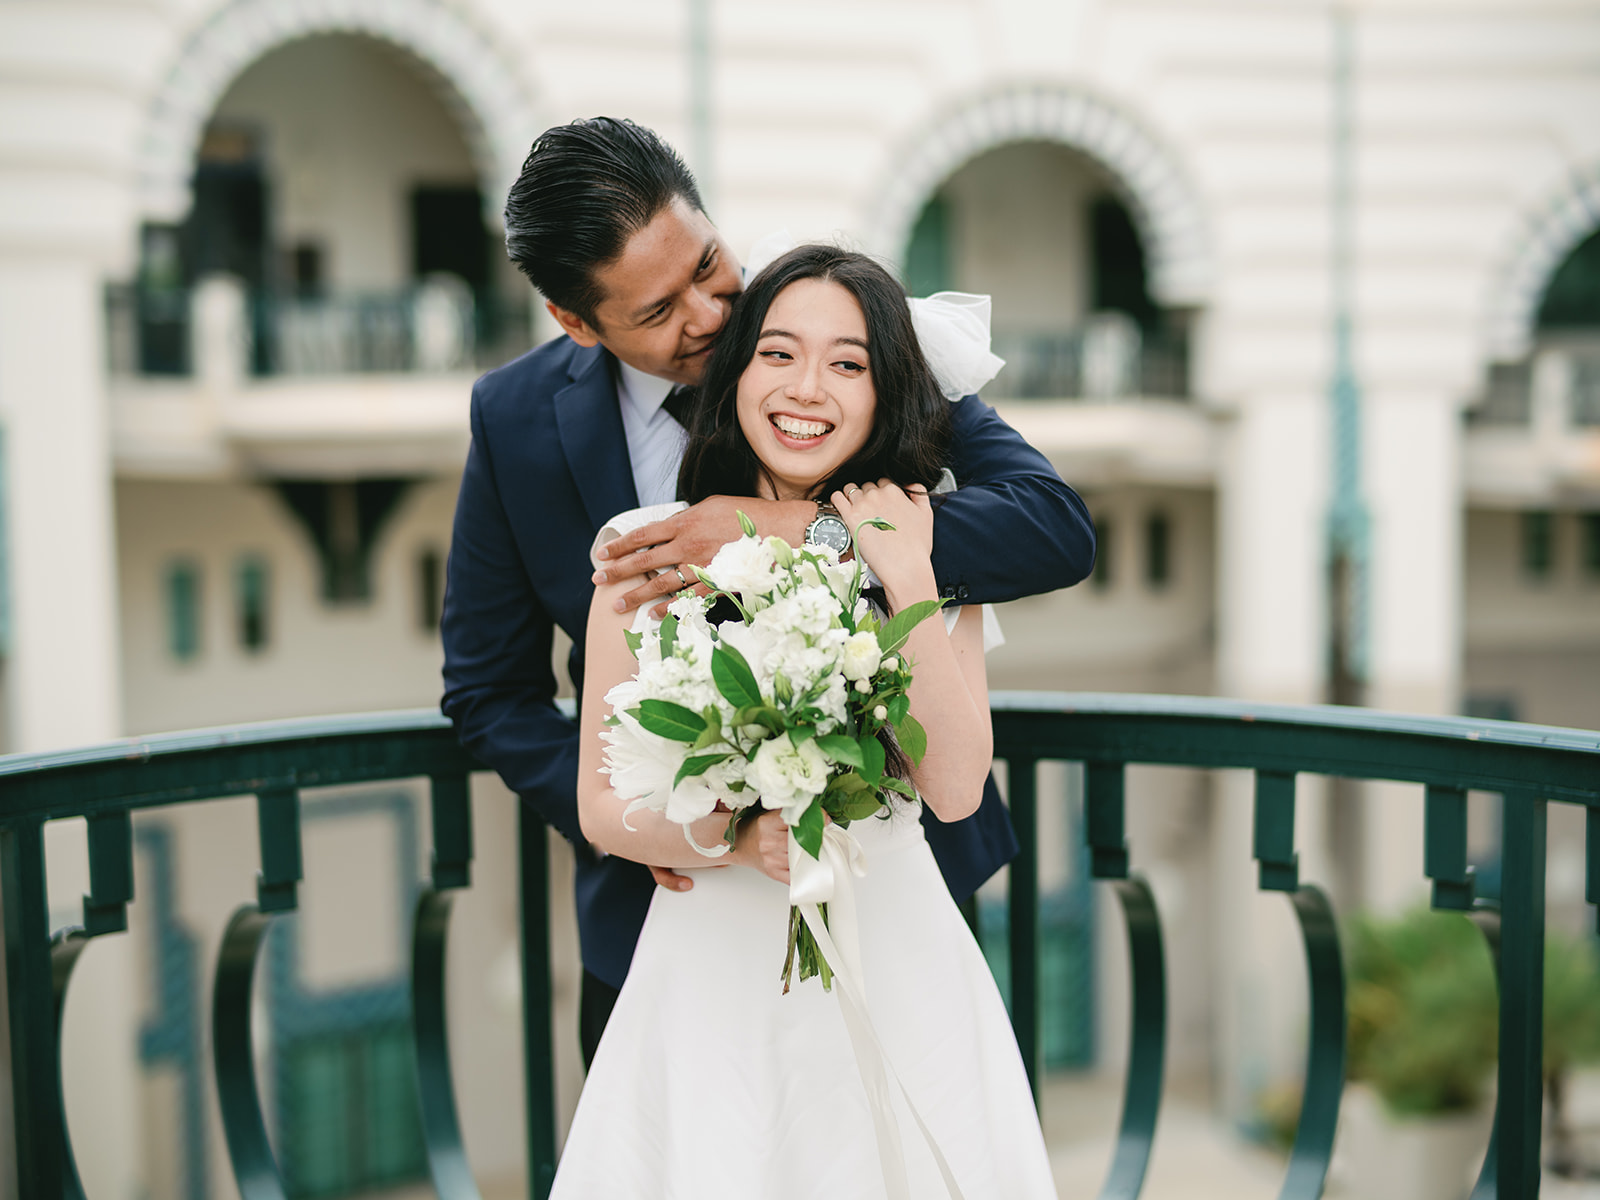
x,y
1424,1010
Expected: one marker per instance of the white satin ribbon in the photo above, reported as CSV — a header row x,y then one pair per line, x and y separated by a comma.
x,y
830,879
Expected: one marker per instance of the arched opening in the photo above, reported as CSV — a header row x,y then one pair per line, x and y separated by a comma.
x,y
336,182
1558,382
1532,545
1045,231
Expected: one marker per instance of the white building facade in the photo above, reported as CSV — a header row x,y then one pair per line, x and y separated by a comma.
x,y
249,267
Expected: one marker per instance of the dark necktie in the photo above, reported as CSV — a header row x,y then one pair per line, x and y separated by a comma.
x,y
680,404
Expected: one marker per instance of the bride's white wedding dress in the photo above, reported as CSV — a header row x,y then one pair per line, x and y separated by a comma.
x,y
711,1084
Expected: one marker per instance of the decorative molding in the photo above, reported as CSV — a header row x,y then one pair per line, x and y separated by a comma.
x,y
1570,213
478,82
1164,202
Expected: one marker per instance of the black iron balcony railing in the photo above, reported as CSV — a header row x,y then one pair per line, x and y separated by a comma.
x,y
425,328
1528,766
1108,358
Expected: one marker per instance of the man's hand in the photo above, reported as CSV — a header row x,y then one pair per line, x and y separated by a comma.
x,y
670,879
691,538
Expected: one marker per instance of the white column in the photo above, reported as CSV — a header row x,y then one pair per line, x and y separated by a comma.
x,y
1271,647
1414,490
62,671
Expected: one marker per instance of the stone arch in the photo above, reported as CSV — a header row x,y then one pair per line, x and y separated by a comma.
x,y
1164,203
1569,213
464,64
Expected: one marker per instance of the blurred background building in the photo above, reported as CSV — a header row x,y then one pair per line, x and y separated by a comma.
x,y
1304,298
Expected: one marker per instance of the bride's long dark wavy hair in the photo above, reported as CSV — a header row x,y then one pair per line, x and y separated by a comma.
x,y
910,435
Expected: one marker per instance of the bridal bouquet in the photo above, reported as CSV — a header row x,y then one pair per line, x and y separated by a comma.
x,y
783,708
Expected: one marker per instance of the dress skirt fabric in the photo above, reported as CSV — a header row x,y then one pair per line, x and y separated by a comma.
x,y
711,1084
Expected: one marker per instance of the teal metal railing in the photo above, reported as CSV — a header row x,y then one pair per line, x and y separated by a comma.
x,y
1529,766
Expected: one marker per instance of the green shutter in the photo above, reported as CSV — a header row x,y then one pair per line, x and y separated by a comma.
x,y
928,253
183,609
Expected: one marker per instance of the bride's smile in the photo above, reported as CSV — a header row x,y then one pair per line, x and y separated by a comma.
x,y
806,401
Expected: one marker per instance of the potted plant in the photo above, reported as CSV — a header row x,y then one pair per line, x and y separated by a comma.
x,y
1423,1013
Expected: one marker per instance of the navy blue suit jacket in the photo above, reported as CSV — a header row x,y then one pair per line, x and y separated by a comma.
x,y
547,468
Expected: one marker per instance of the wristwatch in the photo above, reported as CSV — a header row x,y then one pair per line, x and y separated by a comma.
x,y
827,528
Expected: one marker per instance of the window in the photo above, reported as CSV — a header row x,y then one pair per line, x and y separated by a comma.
x,y
430,589
1157,550
183,609
1538,544
252,588
1104,558
351,1122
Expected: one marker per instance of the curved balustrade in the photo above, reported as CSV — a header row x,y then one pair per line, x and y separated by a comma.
x,y
254,1167
66,947
1530,766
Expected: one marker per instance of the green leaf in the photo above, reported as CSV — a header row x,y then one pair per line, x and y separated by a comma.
x,y
713,730
698,764
669,634
746,524
808,830
872,757
847,783
760,714
669,720
898,785
857,806
799,735
893,635
840,749
635,641
734,678
874,523
913,738
898,707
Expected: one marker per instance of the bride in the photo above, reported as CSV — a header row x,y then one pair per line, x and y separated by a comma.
x,y
710,1082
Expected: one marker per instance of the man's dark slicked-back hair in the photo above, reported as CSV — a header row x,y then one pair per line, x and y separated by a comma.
x,y
584,190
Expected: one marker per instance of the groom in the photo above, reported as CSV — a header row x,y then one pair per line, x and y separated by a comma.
x,y
606,222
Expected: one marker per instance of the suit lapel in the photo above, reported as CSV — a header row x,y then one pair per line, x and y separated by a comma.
x,y
589,423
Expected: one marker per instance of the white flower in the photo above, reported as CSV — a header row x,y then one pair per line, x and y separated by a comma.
x,y
640,763
697,795
832,704
788,777
745,566
880,713
863,686
807,610
891,663
861,658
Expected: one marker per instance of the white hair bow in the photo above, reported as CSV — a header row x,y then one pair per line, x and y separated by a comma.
x,y
953,327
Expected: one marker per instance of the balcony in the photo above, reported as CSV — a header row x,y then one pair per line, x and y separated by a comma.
x,y
1534,437
216,383
1529,767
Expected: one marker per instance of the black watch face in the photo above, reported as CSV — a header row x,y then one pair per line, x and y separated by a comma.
x,y
831,532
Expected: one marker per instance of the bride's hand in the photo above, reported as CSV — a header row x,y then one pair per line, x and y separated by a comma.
x,y
901,558
764,844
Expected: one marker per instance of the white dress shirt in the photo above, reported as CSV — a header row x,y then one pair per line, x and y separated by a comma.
x,y
655,439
